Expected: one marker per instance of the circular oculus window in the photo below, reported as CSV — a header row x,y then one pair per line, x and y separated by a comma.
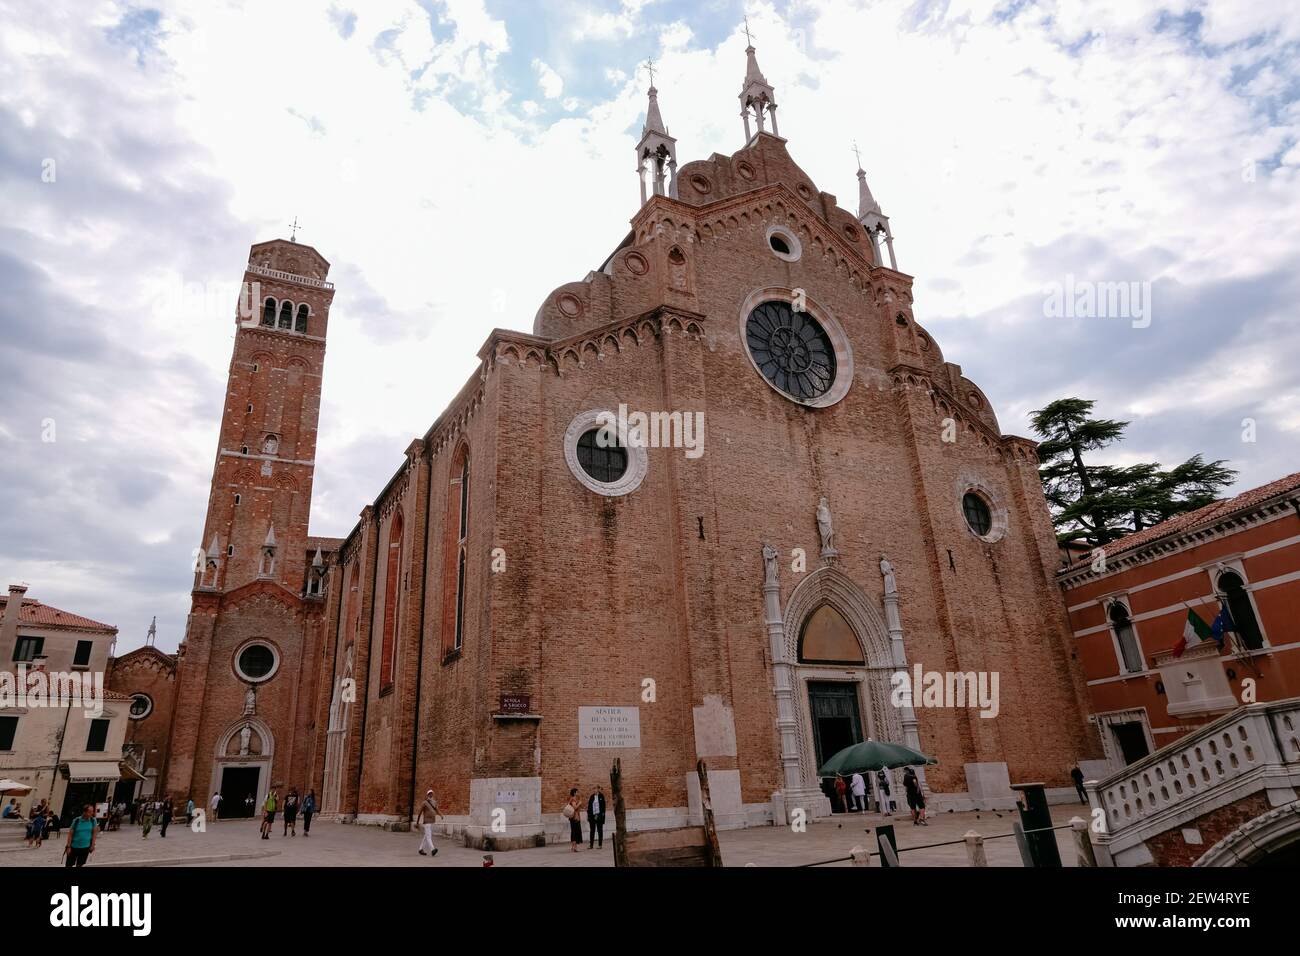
x,y
141,706
600,455
784,243
791,350
256,662
804,355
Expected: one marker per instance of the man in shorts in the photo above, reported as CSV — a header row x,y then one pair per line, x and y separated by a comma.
x,y
268,817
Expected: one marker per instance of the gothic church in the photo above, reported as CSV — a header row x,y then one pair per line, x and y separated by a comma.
x,y
526,600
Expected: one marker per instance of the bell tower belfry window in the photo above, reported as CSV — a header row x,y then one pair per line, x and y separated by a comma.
x,y
656,153
757,98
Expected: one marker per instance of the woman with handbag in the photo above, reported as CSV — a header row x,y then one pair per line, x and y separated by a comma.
x,y
574,816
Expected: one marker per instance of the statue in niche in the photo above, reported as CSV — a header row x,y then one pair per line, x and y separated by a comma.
x,y
250,702
245,735
887,569
826,529
271,446
769,564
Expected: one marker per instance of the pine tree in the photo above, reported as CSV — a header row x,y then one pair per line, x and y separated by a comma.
x,y
1100,503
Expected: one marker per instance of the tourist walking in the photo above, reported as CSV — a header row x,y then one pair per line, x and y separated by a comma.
x,y
146,820
573,814
308,808
165,817
915,798
858,787
81,838
249,803
291,813
426,818
189,811
268,814
841,788
596,818
214,805
1077,776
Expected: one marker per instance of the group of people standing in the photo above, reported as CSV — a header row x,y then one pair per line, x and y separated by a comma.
x,y
851,794
291,805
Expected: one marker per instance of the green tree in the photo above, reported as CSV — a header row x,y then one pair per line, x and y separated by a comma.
x,y
1100,503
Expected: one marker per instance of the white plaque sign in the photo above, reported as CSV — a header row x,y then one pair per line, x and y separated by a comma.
x,y
609,727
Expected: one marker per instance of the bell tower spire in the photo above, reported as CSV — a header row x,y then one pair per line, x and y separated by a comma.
x,y
875,222
757,98
656,153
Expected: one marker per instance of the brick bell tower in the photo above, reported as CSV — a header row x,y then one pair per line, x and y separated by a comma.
x,y
252,575
256,528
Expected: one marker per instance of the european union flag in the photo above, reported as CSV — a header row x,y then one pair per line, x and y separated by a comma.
x,y
1222,624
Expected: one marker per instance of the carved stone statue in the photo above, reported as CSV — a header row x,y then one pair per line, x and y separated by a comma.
x,y
826,529
271,446
887,569
245,734
250,702
769,565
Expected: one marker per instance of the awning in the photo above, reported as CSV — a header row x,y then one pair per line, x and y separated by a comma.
x,y
129,772
93,771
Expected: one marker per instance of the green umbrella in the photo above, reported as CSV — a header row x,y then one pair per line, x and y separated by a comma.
x,y
872,755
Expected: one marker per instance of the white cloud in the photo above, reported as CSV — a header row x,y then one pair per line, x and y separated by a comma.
x,y
551,83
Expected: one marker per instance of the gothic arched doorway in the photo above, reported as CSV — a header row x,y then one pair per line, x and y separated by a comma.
x,y
242,767
838,643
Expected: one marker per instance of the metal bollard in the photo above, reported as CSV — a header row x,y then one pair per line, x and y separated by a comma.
x,y
975,849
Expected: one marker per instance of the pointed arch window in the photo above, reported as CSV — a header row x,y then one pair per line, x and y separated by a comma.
x,y
300,324
1233,591
286,315
827,638
392,576
1130,651
455,552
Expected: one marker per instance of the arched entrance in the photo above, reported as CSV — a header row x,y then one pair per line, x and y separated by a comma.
x,y
242,767
838,645
833,654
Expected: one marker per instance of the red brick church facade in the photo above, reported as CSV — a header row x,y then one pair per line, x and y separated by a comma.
x,y
520,604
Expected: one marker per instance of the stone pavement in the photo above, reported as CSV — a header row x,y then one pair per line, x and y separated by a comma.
x,y
236,843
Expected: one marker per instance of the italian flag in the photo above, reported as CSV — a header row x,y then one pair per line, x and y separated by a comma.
x,y
1194,631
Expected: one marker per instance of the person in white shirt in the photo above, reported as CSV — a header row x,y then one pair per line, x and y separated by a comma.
x,y
858,787
215,805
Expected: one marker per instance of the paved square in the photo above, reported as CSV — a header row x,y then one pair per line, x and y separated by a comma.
x,y
236,843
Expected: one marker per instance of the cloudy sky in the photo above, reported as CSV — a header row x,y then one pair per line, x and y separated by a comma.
x,y
457,159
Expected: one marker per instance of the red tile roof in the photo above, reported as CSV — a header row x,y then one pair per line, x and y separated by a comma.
x,y
1201,517
43,615
325,544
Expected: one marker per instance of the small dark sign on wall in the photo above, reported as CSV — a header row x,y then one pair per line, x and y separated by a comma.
x,y
515,703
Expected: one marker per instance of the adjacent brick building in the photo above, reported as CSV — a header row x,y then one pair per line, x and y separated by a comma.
x,y
1127,616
